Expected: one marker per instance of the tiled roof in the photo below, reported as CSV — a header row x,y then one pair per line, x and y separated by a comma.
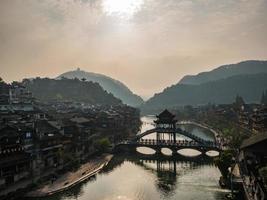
x,y
80,120
253,140
166,114
44,126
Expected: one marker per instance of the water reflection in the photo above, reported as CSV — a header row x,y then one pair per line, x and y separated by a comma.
x,y
198,131
150,177
145,150
157,177
189,152
166,151
212,153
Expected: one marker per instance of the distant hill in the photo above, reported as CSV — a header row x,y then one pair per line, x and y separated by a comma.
x,y
69,90
225,71
222,91
113,86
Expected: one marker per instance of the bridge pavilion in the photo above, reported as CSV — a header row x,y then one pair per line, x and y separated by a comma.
x,y
166,124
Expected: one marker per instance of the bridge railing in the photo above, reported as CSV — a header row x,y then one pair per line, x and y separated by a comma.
x,y
170,130
177,143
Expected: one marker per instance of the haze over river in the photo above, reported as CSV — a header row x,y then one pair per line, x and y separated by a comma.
x,y
136,178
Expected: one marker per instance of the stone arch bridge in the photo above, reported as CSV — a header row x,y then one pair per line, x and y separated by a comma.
x,y
166,125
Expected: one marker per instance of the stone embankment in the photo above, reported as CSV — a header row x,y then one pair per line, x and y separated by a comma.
x,y
71,179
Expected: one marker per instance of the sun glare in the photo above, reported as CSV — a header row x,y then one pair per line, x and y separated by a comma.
x,y
123,8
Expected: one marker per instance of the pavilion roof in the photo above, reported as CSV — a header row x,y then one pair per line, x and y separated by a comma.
x,y
166,114
165,117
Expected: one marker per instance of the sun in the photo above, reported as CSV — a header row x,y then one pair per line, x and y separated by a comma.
x,y
123,8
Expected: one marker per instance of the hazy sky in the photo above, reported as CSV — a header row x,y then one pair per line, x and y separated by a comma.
x,y
147,44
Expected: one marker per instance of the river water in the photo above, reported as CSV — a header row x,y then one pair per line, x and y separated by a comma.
x,y
148,178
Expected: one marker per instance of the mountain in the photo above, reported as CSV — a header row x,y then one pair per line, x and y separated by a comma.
x,y
117,88
225,71
45,89
222,91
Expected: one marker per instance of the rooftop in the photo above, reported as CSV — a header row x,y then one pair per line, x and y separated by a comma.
x,y
80,120
165,117
253,140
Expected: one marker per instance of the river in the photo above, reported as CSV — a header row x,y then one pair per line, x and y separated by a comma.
x,y
136,178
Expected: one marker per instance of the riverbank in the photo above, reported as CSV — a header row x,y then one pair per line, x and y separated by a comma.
x,y
205,126
126,178
71,179
217,135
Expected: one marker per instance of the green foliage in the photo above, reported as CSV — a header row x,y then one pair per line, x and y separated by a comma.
x,y
221,91
264,98
115,87
263,174
236,140
102,145
59,97
70,159
239,102
224,161
70,90
234,135
226,71
228,128
263,171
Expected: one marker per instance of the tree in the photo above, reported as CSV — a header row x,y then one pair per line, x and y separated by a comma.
x,y
102,144
25,81
264,97
224,161
263,174
59,96
239,102
1,80
69,159
70,90
63,78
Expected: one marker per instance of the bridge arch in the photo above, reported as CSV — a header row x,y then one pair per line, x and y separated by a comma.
x,y
145,150
189,152
130,146
166,151
166,124
212,153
